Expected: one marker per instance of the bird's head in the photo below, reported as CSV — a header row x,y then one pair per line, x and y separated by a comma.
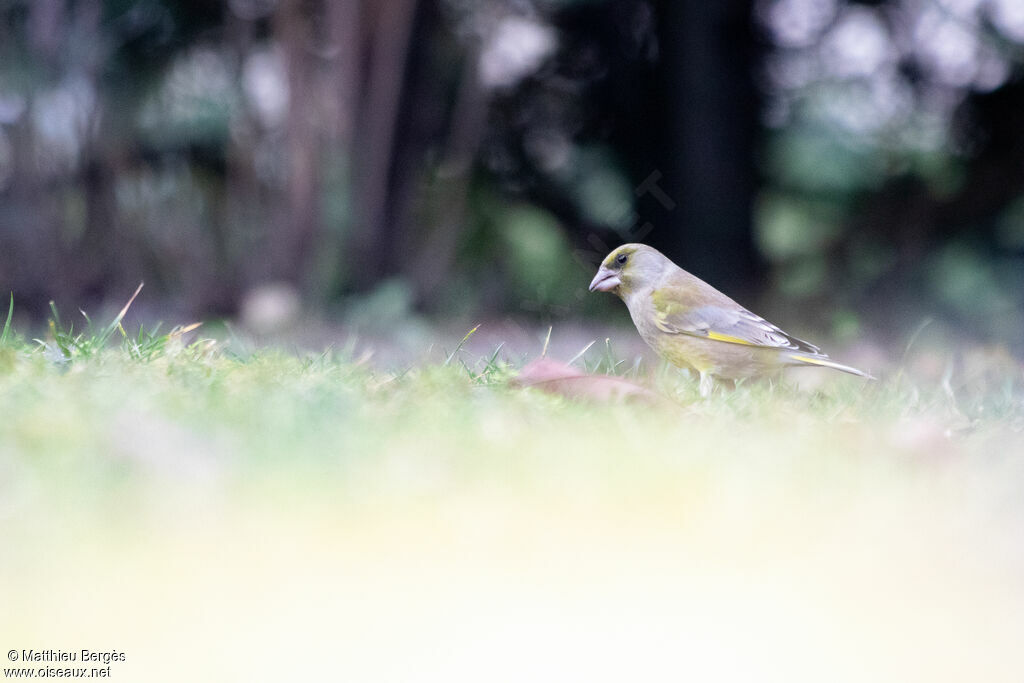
x,y
629,268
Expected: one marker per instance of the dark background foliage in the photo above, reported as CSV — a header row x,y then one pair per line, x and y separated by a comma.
x,y
859,162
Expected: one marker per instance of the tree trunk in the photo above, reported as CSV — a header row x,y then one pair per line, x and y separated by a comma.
x,y
711,118
295,235
372,239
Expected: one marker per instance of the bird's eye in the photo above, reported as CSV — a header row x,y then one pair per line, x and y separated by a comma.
x,y
621,259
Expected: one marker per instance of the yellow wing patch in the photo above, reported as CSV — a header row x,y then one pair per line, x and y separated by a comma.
x,y
661,321
727,338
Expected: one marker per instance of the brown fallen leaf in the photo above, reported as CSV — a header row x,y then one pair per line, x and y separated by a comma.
x,y
560,378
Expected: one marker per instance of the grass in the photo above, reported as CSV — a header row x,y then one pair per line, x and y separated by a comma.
x,y
273,516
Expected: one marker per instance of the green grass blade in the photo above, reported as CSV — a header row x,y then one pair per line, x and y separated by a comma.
x,y
458,348
5,335
611,365
580,354
494,356
109,330
56,317
906,349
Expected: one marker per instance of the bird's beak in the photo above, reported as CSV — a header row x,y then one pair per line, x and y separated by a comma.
x,y
604,281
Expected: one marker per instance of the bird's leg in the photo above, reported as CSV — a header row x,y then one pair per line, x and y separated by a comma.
x,y
707,383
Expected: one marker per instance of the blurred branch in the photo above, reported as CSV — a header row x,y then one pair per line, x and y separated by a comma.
x,y
436,250
371,238
294,237
344,20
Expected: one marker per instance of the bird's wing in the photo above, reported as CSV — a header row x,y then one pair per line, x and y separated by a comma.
x,y
733,324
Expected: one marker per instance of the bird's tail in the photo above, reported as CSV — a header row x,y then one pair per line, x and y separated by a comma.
x,y
827,362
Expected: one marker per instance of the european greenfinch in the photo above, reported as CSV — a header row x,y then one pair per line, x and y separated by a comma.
x,y
693,325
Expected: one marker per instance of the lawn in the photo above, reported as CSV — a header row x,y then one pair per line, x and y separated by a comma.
x,y
264,515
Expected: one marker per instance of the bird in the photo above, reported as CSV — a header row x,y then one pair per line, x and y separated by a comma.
x,y
692,325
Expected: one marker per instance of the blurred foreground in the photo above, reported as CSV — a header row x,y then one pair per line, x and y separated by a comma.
x,y
274,517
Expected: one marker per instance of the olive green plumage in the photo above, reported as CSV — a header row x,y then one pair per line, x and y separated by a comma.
x,y
693,325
